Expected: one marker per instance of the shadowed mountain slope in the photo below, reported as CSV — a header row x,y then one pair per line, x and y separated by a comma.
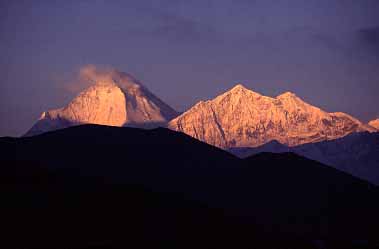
x,y
108,186
356,154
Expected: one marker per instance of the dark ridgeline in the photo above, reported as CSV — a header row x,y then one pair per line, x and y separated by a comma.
x,y
356,153
108,187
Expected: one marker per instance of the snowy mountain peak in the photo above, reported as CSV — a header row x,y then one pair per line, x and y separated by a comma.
x,y
239,87
374,123
238,92
243,118
287,95
115,99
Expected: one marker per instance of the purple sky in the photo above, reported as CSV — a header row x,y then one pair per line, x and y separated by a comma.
x,y
325,51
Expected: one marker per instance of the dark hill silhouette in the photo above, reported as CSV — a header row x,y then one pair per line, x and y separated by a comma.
x,y
96,186
307,192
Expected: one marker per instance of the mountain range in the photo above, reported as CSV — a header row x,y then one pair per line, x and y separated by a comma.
x,y
92,186
239,120
115,185
356,153
243,118
236,118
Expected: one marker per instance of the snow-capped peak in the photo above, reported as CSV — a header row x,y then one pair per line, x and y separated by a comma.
x,y
114,99
238,87
286,95
237,92
374,123
243,118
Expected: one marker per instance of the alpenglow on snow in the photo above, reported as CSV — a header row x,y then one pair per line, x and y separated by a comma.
x,y
243,118
115,99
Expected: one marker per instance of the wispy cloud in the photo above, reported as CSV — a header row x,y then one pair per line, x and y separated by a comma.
x,y
181,28
88,75
369,38
177,28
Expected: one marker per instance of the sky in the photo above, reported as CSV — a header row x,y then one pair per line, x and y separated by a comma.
x,y
325,51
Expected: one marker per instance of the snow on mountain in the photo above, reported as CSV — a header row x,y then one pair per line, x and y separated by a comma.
x,y
115,99
374,123
243,118
272,146
356,154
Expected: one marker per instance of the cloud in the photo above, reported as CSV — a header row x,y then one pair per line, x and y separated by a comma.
x,y
369,38
168,22
180,28
89,75
354,44
92,73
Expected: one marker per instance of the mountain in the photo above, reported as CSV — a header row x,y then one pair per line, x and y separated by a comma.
x,y
243,118
115,99
272,147
92,186
374,123
356,154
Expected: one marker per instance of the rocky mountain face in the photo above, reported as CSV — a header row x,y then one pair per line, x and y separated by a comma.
x,y
243,118
374,123
115,99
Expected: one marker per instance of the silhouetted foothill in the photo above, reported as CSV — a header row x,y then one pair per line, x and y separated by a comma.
x,y
95,186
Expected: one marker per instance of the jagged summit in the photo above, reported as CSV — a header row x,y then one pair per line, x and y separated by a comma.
x,y
287,95
238,93
115,99
243,118
241,89
374,123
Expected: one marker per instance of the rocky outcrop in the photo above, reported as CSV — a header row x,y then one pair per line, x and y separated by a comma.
x,y
243,118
